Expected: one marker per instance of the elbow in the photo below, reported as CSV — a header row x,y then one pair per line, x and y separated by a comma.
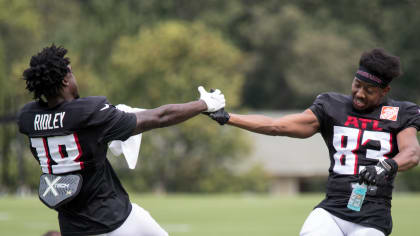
x,y
159,120
163,121
289,132
283,130
273,130
415,161
148,121
165,116
416,156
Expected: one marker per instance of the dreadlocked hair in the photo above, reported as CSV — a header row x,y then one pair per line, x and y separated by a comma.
x,y
47,69
382,64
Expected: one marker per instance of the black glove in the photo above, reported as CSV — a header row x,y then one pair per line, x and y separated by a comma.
x,y
221,116
379,174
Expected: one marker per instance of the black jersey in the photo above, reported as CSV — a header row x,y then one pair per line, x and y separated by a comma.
x,y
72,138
356,139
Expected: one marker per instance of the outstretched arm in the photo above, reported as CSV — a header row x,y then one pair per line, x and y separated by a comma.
x,y
301,125
167,115
172,114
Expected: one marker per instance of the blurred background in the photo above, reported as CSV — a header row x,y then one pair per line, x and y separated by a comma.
x,y
268,56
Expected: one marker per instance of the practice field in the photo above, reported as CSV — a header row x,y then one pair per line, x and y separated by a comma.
x,y
207,215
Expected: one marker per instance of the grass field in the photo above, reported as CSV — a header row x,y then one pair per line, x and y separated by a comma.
x,y
207,215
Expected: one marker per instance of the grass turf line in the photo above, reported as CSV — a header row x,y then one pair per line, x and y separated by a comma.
x,y
207,215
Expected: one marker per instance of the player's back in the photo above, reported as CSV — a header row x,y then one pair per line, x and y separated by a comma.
x,y
72,137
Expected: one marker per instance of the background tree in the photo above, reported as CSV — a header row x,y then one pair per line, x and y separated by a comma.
x,y
18,22
260,53
165,64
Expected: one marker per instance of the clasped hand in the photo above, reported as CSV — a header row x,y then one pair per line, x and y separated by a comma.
x,y
214,100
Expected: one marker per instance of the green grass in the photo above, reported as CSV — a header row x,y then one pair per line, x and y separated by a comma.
x,y
207,215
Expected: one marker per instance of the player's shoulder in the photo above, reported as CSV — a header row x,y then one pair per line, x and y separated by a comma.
x,y
93,99
90,102
333,97
29,107
402,104
25,111
405,108
407,113
86,105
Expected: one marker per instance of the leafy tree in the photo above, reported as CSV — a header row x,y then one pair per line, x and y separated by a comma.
x,y
390,24
325,58
166,64
260,53
398,28
22,30
17,23
298,55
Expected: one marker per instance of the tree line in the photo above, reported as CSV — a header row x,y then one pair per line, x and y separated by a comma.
x,y
267,54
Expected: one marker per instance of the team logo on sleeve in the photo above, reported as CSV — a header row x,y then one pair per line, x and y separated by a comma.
x,y
105,107
389,113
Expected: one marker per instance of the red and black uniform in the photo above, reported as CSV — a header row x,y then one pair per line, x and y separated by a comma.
x,y
73,138
356,139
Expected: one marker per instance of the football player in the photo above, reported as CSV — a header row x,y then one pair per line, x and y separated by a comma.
x,y
68,137
369,137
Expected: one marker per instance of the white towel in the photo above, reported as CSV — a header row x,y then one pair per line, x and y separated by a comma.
x,y
130,147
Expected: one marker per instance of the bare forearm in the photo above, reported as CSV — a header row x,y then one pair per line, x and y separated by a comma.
x,y
254,123
302,125
408,158
168,115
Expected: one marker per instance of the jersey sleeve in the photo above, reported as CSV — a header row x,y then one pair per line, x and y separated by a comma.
x,y
412,116
319,108
113,124
24,119
20,122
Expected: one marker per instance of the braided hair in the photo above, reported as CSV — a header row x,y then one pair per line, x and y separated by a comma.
x,y
46,72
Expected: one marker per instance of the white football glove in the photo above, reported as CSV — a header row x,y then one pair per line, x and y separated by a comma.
x,y
215,100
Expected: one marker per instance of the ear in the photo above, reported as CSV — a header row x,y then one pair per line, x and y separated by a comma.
x,y
65,81
386,90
